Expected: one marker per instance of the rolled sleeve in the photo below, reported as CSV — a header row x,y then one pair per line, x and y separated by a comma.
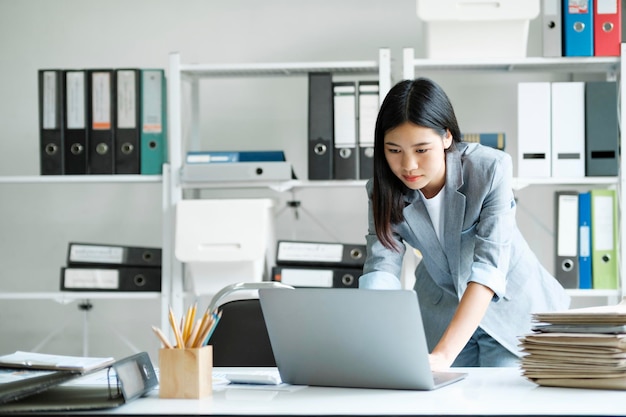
x,y
490,277
379,280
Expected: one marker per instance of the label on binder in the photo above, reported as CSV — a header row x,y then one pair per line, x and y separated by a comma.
x,y
307,277
319,252
96,254
101,279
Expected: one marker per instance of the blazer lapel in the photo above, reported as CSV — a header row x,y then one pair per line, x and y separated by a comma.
x,y
417,219
454,210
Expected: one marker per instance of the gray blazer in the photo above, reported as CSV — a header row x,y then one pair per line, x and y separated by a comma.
x,y
481,243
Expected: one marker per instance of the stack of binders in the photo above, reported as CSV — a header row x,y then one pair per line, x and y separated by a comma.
x,y
587,239
582,28
319,264
102,121
568,129
98,267
342,121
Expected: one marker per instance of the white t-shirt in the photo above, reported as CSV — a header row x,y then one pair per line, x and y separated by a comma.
x,y
435,211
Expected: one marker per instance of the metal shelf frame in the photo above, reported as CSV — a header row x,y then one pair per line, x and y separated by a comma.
x,y
193,74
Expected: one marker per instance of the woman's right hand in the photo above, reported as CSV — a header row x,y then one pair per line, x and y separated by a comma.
x,y
439,362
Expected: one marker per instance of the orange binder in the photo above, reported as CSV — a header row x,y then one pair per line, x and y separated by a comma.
x,y
607,27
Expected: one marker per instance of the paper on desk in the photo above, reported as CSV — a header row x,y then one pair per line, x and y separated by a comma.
x,y
577,339
33,360
596,383
605,315
579,348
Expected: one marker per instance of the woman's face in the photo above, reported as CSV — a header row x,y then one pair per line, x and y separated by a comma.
x,y
416,155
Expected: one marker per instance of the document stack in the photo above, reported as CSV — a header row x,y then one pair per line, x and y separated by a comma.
x,y
99,267
578,348
319,264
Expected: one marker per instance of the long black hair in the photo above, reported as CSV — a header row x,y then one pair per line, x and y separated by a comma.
x,y
421,102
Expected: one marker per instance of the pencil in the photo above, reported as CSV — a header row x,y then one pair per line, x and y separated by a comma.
x,y
193,335
184,325
213,326
179,339
190,319
162,337
205,331
203,328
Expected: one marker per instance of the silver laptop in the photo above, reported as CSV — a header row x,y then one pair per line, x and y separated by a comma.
x,y
350,338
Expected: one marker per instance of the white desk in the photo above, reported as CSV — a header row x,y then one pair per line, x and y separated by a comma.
x,y
486,391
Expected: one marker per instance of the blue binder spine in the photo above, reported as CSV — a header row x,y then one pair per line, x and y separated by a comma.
x,y
584,240
206,157
578,27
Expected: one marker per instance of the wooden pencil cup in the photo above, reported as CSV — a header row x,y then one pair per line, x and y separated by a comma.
x,y
186,373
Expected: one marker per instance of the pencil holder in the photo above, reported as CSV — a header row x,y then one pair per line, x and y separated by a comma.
x,y
186,373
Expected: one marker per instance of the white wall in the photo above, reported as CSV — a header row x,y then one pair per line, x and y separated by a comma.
x,y
37,220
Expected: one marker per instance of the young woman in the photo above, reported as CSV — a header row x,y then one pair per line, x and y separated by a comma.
x,y
478,281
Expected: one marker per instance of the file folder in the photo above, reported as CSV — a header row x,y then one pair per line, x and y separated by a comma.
x,y
101,120
129,378
99,254
75,126
584,240
578,31
320,127
604,239
368,105
534,130
301,253
568,129
602,134
128,121
238,171
122,278
607,25
23,374
345,124
320,277
51,121
552,28
567,238
153,122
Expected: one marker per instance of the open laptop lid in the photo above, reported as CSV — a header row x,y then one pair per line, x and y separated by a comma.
x,y
349,338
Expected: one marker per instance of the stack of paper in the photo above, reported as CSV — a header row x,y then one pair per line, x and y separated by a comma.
x,y
583,347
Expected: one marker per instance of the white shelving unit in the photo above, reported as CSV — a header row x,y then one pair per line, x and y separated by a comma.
x,y
67,296
180,73
80,297
79,179
612,67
